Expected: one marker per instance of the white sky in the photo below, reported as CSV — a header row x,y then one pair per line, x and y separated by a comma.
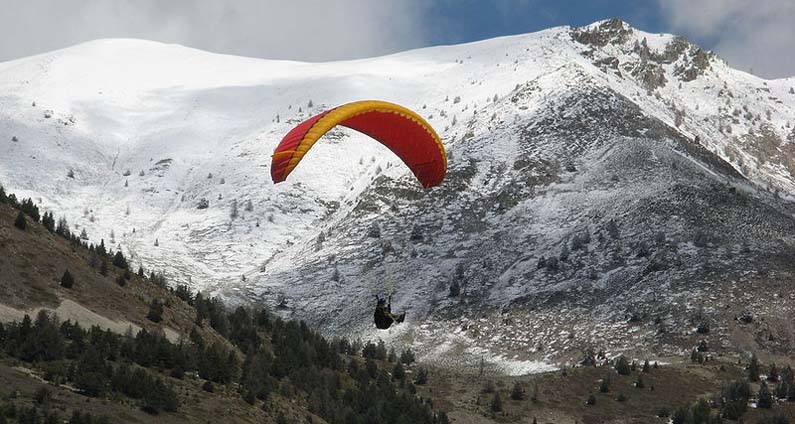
x,y
750,34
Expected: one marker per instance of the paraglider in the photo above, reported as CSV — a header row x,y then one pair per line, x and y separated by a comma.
x,y
383,317
401,130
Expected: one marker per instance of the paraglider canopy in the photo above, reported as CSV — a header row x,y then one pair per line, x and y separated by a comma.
x,y
401,130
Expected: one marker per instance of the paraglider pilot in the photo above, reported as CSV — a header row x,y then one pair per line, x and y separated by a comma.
x,y
383,313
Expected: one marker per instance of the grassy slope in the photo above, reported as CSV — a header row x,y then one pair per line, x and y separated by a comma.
x,y
31,264
561,398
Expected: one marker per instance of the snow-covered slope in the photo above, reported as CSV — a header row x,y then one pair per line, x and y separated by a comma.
x,y
561,135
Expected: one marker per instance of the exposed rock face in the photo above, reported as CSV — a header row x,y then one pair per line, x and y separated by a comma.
x,y
695,64
614,31
645,64
673,51
651,75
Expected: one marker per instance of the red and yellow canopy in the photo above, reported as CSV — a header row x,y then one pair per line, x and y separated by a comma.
x,y
401,130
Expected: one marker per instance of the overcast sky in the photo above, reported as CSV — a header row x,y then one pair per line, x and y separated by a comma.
x,y
752,35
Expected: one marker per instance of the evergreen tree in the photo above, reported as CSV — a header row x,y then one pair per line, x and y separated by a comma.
x,y
765,398
781,390
103,267
753,369
119,261
380,352
407,356
62,229
773,374
155,311
30,209
398,372
604,386
517,393
48,221
101,250
622,366
20,221
422,377
700,413
734,399
159,397
66,280
455,289
496,403
646,367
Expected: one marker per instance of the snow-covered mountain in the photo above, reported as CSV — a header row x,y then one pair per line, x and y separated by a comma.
x,y
599,177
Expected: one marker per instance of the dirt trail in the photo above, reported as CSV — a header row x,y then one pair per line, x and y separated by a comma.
x,y
71,310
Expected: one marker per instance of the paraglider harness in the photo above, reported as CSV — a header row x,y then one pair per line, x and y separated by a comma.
x,y
383,317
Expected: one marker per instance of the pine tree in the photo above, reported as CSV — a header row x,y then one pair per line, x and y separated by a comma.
x,y
155,311
773,374
735,399
119,261
103,268
753,369
646,367
48,221
20,221
496,403
233,213
604,386
765,398
680,415
398,372
66,280
422,377
455,289
781,390
622,366
517,393
407,356
101,250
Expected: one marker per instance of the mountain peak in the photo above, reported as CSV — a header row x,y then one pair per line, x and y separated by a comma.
x,y
601,33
